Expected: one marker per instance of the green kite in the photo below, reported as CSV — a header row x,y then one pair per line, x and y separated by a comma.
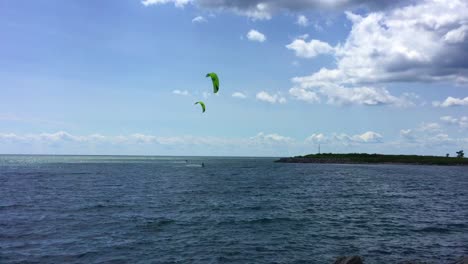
x,y
202,105
215,80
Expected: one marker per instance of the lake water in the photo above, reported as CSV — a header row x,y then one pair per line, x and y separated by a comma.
x,y
113,209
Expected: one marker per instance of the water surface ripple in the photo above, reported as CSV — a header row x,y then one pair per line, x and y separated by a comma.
x,y
107,209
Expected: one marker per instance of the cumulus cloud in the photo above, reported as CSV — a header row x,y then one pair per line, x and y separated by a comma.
x,y
317,138
179,92
407,134
304,95
254,35
302,21
265,9
382,48
239,95
60,136
457,35
452,101
366,137
340,95
343,138
461,122
178,3
449,119
271,138
309,49
427,133
198,19
430,127
270,98
421,138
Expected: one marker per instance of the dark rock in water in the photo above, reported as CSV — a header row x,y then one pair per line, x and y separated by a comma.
x,y
462,260
349,260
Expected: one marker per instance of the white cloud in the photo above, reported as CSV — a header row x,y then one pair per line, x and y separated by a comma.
x,y
270,98
461,122
178,3
429,136
317,138
318,27
254,35
62,142
270,144
265,9
302,21
339,95
449,119
199,19
60,136
345,139
430,127
382,48
260,11
304,36
146,139
452,101
368,137
304,95
407,134
457,35
271,138
309,49
239,95
179,92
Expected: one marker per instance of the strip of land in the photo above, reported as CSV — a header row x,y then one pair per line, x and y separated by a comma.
x,y
364,158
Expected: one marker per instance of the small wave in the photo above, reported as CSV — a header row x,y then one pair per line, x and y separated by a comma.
x,y
11,206
433,229
264,220
267,220
99,206
252,208
156,224
79,173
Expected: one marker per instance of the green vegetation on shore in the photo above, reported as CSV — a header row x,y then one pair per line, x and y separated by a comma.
x,y
364,158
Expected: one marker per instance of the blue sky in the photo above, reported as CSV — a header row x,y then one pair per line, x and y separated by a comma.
x,y
121,77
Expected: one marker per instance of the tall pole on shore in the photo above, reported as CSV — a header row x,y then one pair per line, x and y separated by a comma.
x,y
319,149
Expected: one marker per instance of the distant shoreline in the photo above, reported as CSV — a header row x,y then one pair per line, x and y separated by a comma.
x,y
363,158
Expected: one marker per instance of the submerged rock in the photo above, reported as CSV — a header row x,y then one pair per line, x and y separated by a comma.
x,y
462,260
349,260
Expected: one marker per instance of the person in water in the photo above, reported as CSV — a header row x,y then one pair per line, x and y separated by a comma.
x,y
203,165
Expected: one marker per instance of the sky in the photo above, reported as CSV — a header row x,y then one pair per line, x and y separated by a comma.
x,y
121,77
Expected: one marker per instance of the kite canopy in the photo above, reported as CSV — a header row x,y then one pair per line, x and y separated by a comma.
x,y
202,105
215,80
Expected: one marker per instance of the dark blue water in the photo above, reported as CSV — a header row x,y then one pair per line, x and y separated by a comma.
x,y
234,210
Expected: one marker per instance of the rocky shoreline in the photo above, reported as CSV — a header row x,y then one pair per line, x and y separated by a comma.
x,y
356,158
